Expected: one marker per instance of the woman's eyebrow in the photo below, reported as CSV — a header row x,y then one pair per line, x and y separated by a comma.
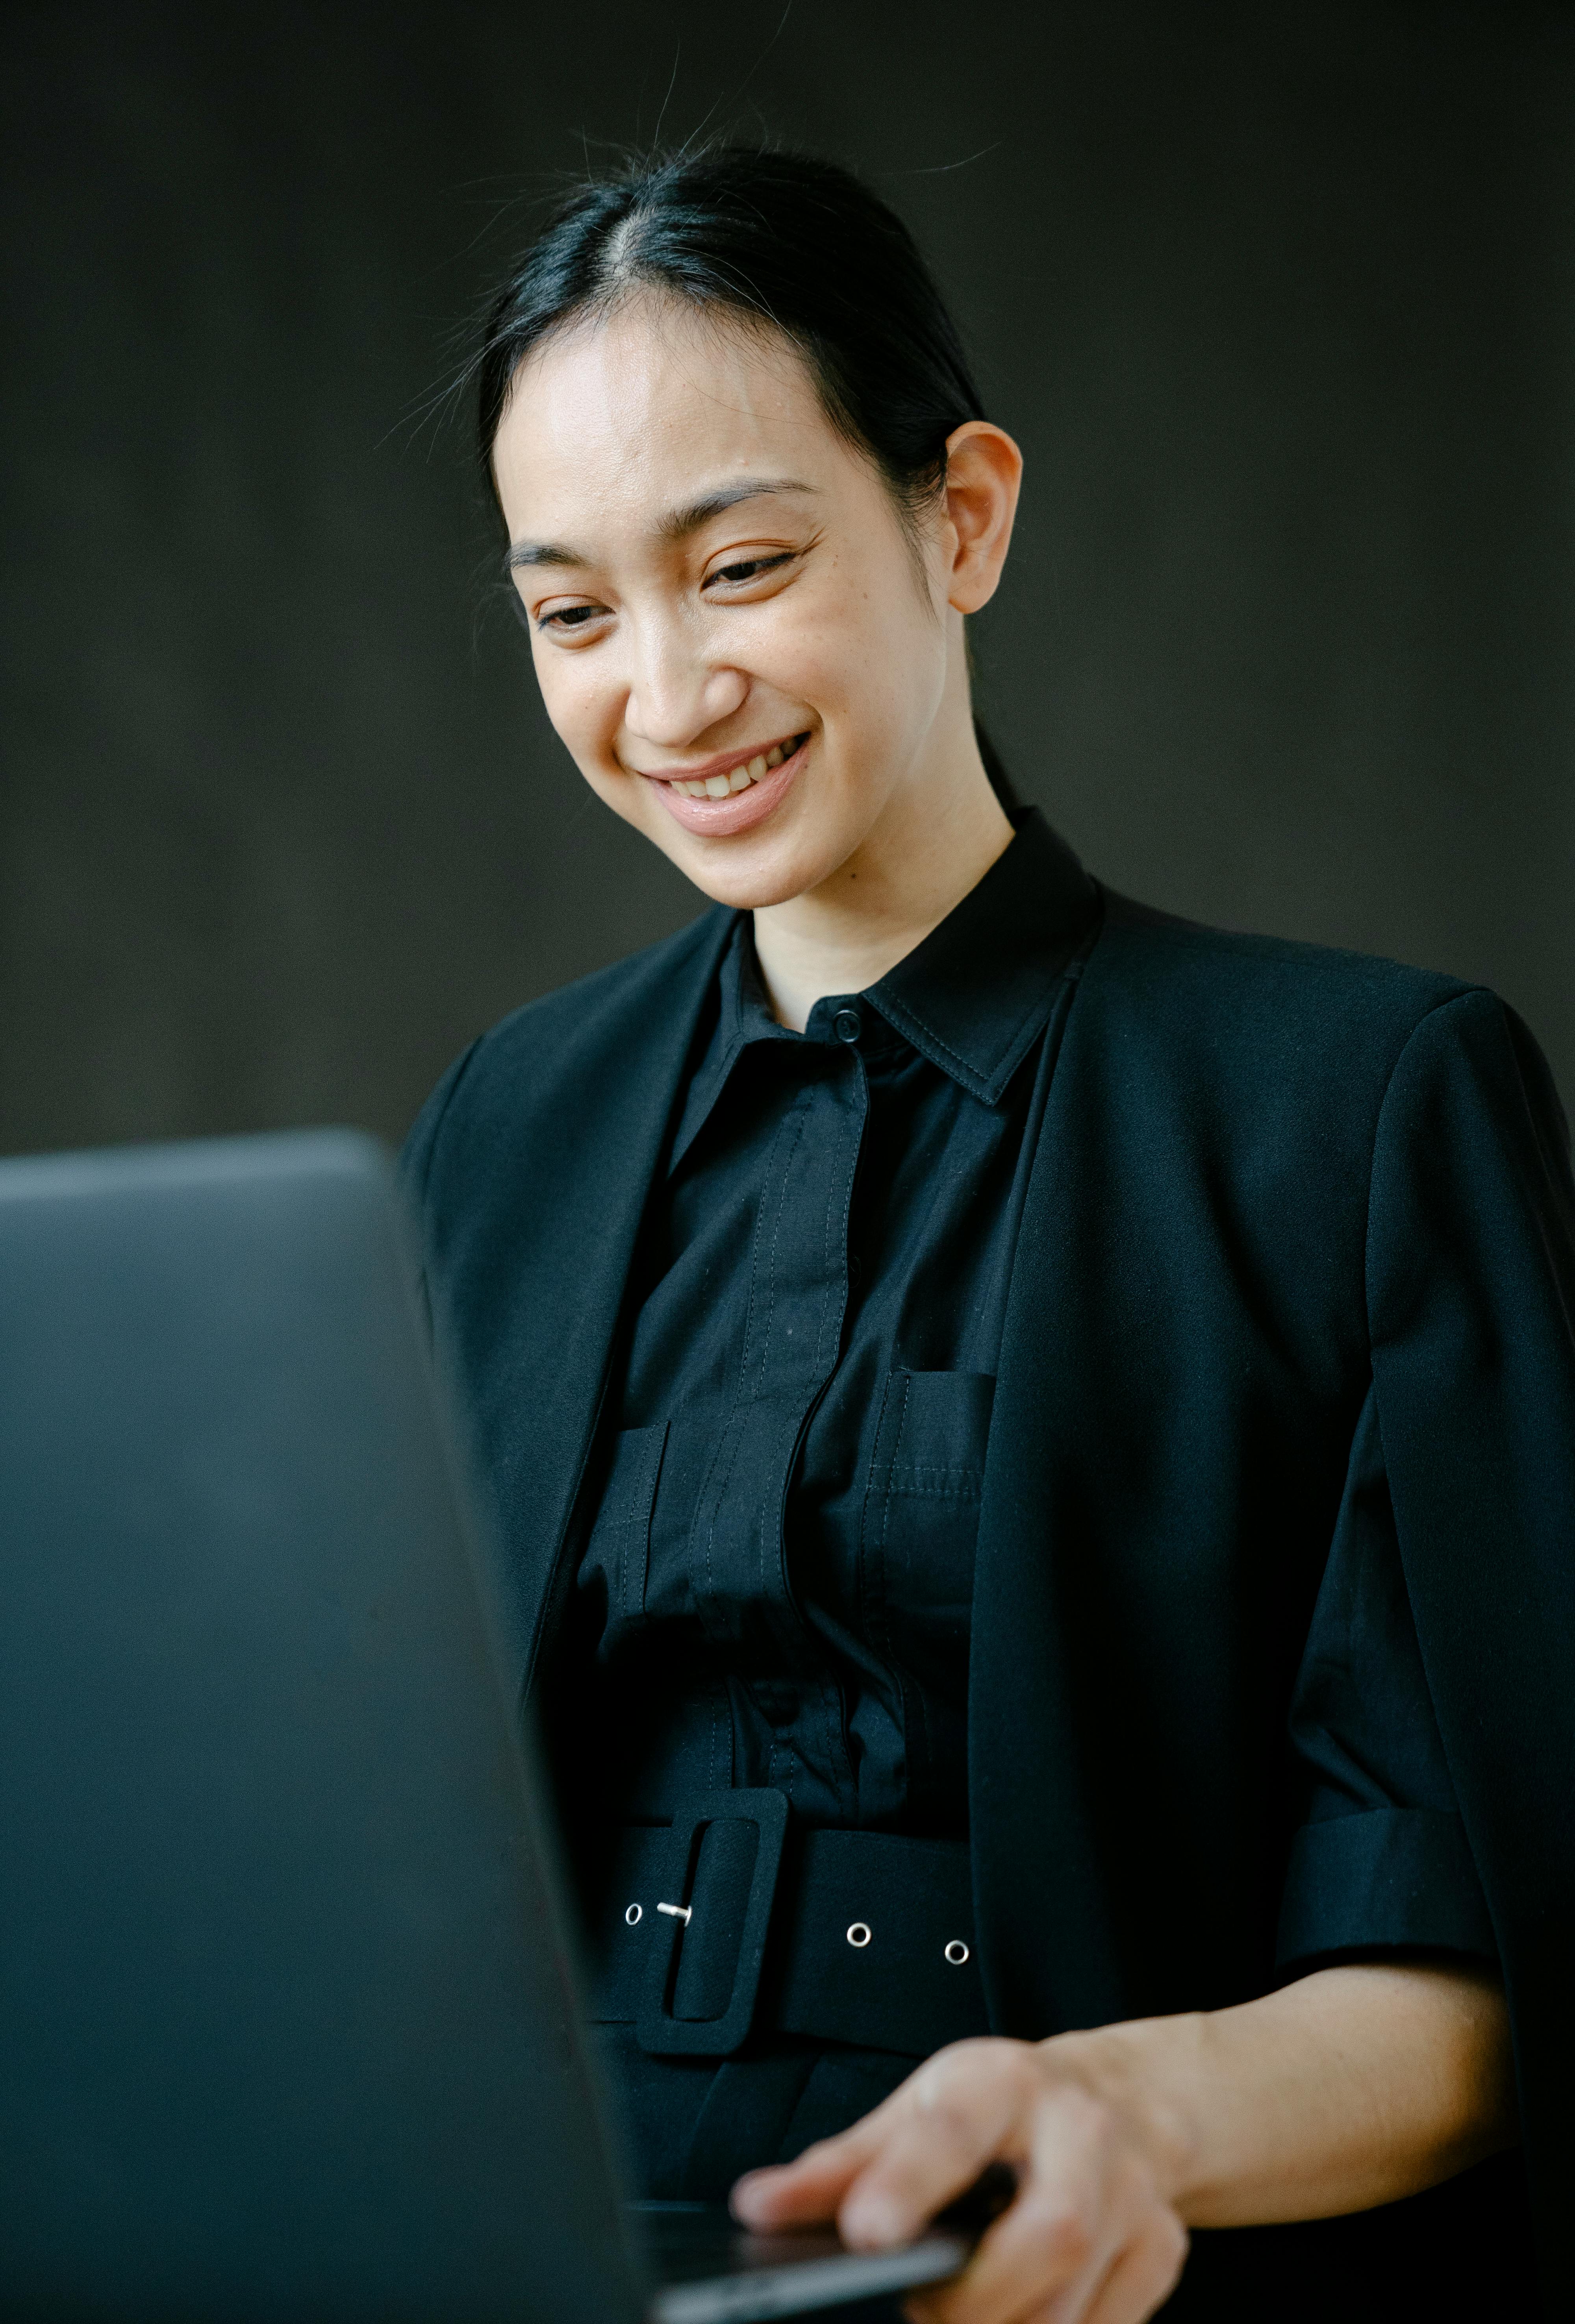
x,y
675,526
542,552
680,522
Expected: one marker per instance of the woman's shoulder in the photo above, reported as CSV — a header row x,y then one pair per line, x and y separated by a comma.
x,y
1229,962
1295,1040
1252,994
598,1007
530,1074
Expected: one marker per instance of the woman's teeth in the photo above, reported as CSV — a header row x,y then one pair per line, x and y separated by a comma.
x,y
759,767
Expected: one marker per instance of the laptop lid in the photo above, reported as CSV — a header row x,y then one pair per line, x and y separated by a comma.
x,y
287,2011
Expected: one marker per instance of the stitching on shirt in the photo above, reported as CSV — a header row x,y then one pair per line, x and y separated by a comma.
x,y
885,1512
898,1009
931,1479
915,1728
725,1456
865,1533
1041,1000
640,1514
894,1009
797,1119
828,1288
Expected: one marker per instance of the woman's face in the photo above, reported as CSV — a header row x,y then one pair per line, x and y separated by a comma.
x,y
734,634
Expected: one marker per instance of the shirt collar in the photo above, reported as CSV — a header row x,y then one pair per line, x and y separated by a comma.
x,y
744,1015
973,997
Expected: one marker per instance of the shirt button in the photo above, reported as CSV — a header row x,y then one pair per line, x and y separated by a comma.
x,y
846,1024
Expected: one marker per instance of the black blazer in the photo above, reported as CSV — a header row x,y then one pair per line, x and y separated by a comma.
x,y
1271,1181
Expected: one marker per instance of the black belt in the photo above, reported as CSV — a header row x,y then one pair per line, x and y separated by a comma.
x,y
732,1920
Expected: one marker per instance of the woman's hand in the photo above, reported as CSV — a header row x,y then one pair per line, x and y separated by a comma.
x,y
1350,2086
1090,2237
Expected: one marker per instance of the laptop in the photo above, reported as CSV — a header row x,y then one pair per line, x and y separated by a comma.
x,y
289,2021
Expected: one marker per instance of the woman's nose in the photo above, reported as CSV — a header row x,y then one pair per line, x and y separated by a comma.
x,y
676,695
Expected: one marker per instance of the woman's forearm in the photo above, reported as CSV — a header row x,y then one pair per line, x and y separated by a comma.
x,y
1350,2088
1353,2086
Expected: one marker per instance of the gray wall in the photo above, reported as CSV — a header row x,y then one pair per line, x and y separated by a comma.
x,y
1276,299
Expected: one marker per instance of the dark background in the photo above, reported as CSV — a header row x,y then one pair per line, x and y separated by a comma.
x,y
1277,298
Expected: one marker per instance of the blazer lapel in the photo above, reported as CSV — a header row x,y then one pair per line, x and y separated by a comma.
x,y
532,1211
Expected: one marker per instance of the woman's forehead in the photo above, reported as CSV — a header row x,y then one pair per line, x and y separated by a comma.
x,y
649,410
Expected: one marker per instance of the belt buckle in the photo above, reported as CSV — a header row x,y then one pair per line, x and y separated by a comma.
x,y
658,2032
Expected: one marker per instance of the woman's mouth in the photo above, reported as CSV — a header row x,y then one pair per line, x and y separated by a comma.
x,y
736,794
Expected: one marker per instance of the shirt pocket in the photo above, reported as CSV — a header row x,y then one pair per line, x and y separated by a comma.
x,y
920,1520
617,1555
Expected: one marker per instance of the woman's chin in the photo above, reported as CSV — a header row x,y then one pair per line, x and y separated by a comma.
x,y
749,889
754,871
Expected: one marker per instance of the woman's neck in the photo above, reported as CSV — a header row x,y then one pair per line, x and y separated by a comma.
x,y
845,935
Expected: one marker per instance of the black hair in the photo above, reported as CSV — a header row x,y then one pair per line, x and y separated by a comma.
x,y
784,240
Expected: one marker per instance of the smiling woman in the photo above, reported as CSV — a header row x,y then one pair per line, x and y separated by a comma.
x,y
1033,1445
745,579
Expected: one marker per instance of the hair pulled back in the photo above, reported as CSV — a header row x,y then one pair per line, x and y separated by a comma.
x,y
783,239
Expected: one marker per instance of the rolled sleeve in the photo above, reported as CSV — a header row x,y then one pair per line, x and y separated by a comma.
x,y
1390,1876
1382,1860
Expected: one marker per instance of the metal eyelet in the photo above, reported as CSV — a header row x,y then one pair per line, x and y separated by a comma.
x,y
957,1953
684,1913
859,1934
634,1914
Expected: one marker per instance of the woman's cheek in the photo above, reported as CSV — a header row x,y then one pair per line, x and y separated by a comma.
x,y
574,704
842,659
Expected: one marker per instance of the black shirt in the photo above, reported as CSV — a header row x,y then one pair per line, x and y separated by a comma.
x,y
779,1574
777,1585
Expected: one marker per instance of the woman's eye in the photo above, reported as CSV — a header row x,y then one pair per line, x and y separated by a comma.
x,y
568,617
748,569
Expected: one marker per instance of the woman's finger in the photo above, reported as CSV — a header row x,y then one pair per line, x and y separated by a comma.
x,y
1144,2276
811,2189
964,2109
1078,2202
808,2189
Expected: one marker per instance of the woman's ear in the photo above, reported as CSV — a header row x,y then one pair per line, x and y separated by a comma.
x,y
984,473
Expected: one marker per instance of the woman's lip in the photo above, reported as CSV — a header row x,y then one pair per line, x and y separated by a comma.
x,y
723,765
740,810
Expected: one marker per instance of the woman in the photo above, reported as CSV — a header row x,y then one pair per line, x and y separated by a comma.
x,y
1031,1442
